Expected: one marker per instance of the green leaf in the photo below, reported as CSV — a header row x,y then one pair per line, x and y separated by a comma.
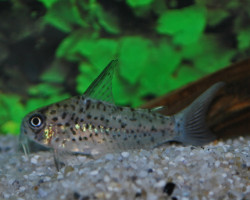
x,y
108,20
185,25
215,16
208,54
121,96
76,43
44,89
64,16
11,113
243,38
86,77
134,55
53,75
103,52
48,3
11,127
137,3
163,62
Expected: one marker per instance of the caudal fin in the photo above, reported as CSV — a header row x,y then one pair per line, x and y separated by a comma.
x,y
190,122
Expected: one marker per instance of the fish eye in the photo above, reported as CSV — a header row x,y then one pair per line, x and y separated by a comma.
x,y
36,121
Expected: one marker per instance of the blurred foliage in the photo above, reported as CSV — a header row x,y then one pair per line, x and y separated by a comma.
x,y
161,45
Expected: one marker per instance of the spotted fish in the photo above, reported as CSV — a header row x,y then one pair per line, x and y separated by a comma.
x,y
93,125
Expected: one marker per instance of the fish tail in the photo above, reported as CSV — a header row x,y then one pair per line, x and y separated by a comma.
x,y
190,123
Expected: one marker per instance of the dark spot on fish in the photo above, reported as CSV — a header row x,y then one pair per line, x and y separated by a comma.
x,y
98,104
90,135
178,125
135,136
73,107
107,120
82,120
57,105
114,118
44,110
102,118
54,119
144,134
127,131
163,133
114,136
76,120
107,133
140,125
96,134
125,139
67,124
87,126
77,102
80,138
81,110
123,125
87,104
73,131
152,139
73,116
25,132
132,131
57,140
138,142
121,108
132,119
93,126
73,139
85,138
59,124
132,109
119,120
89,116
65,105
138,194
150,170
169,188
118,135
64,115
153,128
83,97
95,118
52,112
104,108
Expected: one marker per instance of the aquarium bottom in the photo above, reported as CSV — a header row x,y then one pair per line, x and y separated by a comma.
x,y
216,171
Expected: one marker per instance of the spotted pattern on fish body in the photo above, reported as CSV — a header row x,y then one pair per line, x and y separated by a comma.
x,y
91,124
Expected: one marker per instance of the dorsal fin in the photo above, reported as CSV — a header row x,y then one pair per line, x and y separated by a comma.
x,y
101,88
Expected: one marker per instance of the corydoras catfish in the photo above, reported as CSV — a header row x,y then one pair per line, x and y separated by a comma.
x,y
91,124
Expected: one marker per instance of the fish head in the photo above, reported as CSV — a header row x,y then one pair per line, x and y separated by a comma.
x,y
45,124
34,127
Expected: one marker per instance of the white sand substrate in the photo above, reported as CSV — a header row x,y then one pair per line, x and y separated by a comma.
x,y
216,171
